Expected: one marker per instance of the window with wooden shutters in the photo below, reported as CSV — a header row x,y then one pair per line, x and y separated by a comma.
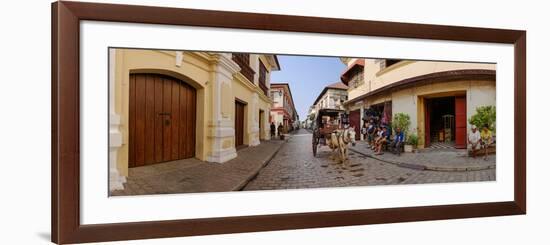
x,y
262,78
356,77
243,60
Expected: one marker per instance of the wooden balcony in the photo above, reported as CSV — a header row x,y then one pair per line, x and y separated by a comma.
x,y
264,88
243,60
262,77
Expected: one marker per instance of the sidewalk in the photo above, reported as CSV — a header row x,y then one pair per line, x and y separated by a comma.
x,y
431,159
192,175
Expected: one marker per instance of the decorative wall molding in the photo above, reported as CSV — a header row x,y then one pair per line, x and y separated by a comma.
x,y
179,58
116,181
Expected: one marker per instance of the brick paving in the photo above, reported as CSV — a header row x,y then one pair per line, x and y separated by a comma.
x,y
192,175
432,159
295,167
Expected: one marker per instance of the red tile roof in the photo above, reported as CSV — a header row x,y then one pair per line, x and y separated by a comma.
x,y
338,85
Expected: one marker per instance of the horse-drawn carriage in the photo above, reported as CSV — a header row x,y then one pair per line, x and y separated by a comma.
x,y
326,123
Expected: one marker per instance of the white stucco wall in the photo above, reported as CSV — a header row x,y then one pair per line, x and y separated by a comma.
x,y
478,93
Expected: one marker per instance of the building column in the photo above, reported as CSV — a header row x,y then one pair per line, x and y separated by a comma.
x,y
253,122
221,128
116,181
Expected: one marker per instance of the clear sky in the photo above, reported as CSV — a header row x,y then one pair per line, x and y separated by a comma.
x,y
307,76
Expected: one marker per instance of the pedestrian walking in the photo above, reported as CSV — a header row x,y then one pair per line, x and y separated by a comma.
x,y
280,130
272,129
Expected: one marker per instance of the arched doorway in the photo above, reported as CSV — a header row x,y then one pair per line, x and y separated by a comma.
x,y
162,119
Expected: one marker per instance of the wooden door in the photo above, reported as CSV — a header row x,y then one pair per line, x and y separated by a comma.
x,y
355,121
460,122
239,123
427,112
162,119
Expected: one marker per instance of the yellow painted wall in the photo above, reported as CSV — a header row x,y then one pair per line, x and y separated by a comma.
x,y
354,106
265,106
194,70
198,70
375,77
243,90
243,93
406,69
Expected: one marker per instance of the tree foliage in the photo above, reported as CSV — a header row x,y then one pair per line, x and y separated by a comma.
x,y
401,120
485,115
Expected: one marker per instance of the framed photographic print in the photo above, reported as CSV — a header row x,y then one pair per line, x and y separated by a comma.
x,y
177,122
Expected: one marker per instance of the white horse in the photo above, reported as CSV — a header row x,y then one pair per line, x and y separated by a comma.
x,y
340,139
346,137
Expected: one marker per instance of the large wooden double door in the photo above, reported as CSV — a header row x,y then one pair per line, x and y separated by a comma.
x,y
162,119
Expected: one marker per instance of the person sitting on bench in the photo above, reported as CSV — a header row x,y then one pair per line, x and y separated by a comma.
x,y
474,140
486,139
376,136
397,141
381,140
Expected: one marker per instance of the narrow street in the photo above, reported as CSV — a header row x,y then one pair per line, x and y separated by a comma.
x,y
294,166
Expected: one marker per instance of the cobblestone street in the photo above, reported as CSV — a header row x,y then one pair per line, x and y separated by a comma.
x,y
295,167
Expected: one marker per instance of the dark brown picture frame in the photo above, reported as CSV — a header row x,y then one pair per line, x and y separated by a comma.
x,y
65,171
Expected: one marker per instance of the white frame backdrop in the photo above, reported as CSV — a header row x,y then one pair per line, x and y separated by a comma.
x,y
97,207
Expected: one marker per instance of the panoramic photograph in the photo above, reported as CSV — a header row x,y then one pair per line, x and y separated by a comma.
x,y
204,121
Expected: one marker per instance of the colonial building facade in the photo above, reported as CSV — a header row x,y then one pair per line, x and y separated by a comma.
x,y
439,97
332,97
171,105
283,111
308,123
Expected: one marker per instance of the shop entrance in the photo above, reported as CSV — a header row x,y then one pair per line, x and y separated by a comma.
x,y
445,120
379,113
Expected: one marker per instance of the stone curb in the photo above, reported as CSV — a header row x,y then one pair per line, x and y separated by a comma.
x,y
460,169
427,167
255,172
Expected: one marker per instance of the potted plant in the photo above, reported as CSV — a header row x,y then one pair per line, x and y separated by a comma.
x,y
403,121
411,143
